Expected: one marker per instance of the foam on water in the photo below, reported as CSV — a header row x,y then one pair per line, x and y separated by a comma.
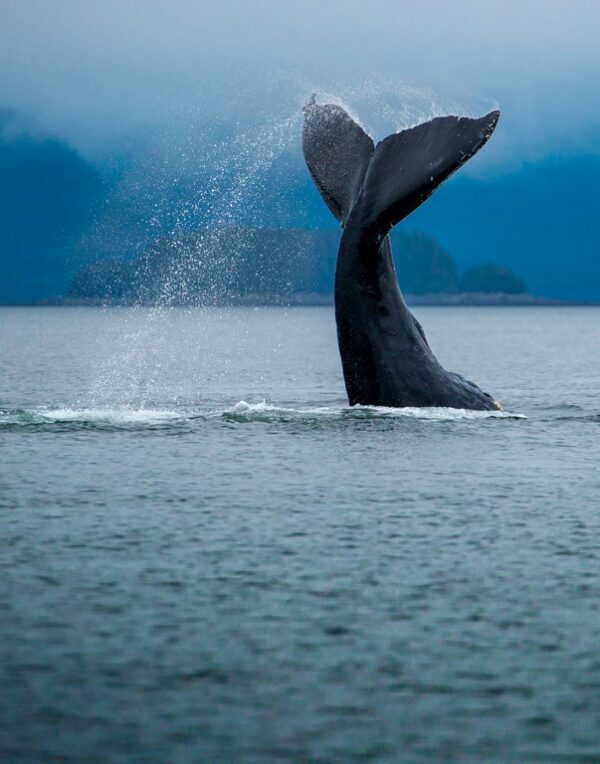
x,y
113,416
242,411
410,412
107,416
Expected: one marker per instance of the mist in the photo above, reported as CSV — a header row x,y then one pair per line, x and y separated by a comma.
x,y
109,76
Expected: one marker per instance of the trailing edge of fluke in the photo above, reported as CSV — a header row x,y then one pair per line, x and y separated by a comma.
x,y
369,188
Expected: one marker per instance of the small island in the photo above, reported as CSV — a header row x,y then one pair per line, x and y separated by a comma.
x,y
260,266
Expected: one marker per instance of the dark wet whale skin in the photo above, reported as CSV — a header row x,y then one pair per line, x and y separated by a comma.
x,y
386,358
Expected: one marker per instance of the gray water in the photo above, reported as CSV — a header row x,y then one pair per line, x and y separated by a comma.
x,y
208,557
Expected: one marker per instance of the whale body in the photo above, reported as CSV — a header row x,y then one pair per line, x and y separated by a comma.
x,y
386,359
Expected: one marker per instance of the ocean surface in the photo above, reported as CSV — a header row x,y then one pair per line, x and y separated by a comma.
x,y
206,556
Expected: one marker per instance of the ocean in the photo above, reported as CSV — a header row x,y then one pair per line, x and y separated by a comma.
x,y
207,556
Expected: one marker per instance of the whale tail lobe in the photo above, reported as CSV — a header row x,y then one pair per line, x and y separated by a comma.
x,y
408,166
337,152
385,183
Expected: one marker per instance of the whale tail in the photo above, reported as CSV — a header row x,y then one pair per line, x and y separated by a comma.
x,y
385,183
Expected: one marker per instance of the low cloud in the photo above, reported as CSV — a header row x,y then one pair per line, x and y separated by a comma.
x,y
104,73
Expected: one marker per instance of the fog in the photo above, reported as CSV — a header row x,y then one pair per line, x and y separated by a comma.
x,y
109,74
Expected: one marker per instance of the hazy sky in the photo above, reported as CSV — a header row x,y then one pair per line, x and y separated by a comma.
x,y
97,71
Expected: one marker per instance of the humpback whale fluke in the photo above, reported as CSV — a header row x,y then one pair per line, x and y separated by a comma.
x,y
385,356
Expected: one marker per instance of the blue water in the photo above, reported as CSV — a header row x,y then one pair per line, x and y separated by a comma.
x,y
206,556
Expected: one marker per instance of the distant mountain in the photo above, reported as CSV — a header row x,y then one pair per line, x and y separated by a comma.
x,y
57,214
489,279
238,264
541,221
47,193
